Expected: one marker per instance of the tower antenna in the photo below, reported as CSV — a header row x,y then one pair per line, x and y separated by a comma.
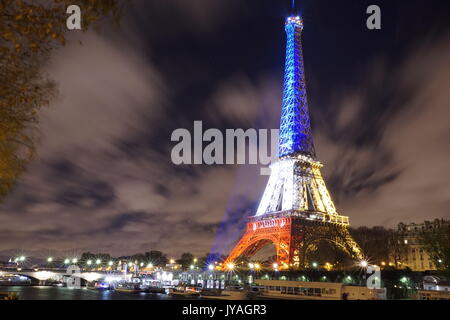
x,y
293,7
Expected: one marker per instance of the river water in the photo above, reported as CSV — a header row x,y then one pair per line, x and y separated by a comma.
x,y
61,293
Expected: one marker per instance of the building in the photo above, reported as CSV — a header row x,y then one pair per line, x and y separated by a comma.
x,y
414,255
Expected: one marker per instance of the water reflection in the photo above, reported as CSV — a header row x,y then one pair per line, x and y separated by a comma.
x,y
62,293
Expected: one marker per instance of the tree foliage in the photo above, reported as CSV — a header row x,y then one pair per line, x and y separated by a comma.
x,y
437,244
29,32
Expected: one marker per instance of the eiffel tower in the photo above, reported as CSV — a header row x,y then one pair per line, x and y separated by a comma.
x,y
296,212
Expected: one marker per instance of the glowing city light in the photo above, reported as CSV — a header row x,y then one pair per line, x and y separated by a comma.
x,y
314,264
257,266
211,267
195,260
275,265
110,263
49,259
98,261
66,261
251,265
192,267
363,263
172,261
74,260
89,262
230,266
22,258
150,265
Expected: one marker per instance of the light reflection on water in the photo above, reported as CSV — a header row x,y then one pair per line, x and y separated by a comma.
x,y
60,293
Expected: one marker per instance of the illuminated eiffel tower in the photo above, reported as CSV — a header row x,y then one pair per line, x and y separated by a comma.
x,y
296,212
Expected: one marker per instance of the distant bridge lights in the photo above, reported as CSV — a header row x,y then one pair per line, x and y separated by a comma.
x,y
89,262
74,260
110,263
98,261
66,261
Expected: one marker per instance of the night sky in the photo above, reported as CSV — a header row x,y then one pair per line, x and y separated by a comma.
x,y
103,179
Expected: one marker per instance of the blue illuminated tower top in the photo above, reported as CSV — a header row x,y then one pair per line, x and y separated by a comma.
x,y
295,128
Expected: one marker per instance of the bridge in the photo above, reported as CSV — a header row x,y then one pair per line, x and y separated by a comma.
x,y
42,275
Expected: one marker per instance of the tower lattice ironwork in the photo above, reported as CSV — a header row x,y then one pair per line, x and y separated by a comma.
x,y
296,211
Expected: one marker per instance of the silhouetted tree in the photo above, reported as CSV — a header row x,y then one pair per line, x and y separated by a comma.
x,y
437,244
157,258
186,260
29,32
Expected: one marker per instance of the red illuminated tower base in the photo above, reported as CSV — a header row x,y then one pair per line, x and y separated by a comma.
x,y
293,237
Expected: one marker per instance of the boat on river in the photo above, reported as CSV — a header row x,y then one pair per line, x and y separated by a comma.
x,y
182,291
128,287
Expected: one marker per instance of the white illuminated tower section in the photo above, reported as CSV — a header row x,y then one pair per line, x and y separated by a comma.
x,y
296,203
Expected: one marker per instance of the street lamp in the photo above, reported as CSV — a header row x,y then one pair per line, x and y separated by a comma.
x,y
230,266
49,259
22,258
251,265
192,267
275,266
314,264
98,261
66,261
110,263
211,267
74,260
257,266
89,262
171,261
150,265
195,260
364,263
